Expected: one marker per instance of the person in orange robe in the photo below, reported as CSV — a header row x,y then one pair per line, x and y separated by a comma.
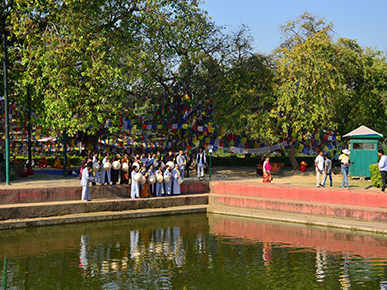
x,y
144,188
125,175
42,163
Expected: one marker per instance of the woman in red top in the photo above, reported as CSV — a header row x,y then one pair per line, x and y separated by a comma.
x,y
267,171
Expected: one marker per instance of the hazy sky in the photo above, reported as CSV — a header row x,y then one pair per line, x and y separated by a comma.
x,y
364,20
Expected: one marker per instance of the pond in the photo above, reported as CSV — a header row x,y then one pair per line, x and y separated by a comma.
x,y
202,251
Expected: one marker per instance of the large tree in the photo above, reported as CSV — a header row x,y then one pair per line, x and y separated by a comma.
x,y
82,61
311,82
326,84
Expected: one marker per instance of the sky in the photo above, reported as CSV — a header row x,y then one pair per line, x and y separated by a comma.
x,y
363,20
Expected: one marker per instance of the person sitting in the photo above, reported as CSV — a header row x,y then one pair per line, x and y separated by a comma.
x,y
29,171
42,163
57,163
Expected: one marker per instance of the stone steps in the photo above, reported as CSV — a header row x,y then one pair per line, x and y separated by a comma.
x,y
340,211
58,209
353,197
101,216
305,219
65,193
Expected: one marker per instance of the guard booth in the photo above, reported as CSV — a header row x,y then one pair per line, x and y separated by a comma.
x,y
364,150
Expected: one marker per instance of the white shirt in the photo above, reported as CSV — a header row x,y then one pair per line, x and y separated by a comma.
x,y
201,159
320,162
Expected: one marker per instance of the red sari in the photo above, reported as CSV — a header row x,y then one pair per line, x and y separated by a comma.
x,y
266,172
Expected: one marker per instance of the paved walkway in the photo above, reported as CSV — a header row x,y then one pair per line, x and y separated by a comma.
x,y
240,173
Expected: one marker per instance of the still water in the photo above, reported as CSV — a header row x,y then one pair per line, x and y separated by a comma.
x,y
191,252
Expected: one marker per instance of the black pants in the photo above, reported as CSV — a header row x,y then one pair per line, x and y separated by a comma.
x,y
383,174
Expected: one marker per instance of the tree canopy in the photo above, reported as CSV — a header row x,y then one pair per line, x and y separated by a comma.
x,y
85,63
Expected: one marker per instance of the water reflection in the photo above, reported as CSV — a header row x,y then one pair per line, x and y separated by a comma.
x,y
191,252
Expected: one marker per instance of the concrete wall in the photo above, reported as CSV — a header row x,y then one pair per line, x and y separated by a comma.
x,y
351,197
47,194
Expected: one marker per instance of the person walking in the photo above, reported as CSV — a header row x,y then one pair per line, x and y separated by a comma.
x,y
267,171
201,163
345,163
319,163
328,171
383,167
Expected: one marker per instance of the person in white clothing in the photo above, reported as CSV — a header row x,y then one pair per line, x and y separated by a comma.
x,y
85,182
201,162
167,186
135,186
175,178
96,173
181,161
319,163
105,175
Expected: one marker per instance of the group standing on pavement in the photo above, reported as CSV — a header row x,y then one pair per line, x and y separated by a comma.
x,y
324,168
150,175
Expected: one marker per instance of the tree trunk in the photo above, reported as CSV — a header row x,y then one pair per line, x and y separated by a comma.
x,y
292,158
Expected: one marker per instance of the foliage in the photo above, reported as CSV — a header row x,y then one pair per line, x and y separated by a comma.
x,y
74,160
72,57
364,75
253,161
86,63
297,31
246,97
310,82
376,178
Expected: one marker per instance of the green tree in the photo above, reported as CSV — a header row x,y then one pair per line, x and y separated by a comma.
x,y
311,82
74,59
86,61
327,84
364,73
246,98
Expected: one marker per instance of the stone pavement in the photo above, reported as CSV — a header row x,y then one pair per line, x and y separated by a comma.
x,y
240,173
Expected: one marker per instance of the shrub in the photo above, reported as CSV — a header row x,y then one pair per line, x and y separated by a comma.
x,y
254,160
376,178
74,160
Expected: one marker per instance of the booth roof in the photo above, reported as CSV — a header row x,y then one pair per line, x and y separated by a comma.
x,y
363,131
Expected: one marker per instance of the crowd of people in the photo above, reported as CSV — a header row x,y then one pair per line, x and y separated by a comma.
x,y
150,174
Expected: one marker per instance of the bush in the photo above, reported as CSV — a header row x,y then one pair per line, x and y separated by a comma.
x,y
376,178
253,161
74,160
